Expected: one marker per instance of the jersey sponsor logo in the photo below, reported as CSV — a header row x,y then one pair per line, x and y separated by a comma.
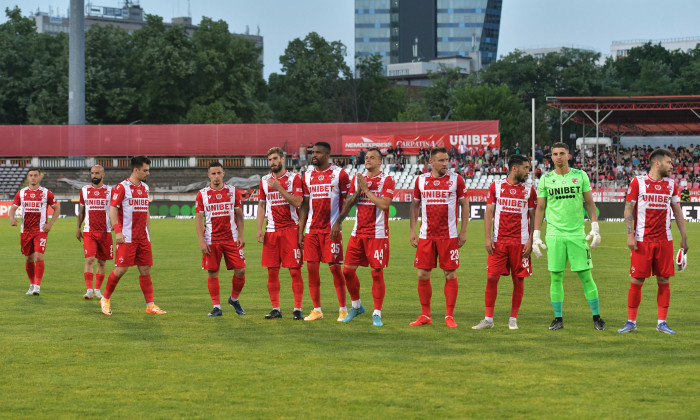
x,y
219,209
96,202
321,188
139,204
436,194
563,190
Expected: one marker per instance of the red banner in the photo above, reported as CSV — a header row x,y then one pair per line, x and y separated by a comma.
x,y
211,139
5,208
472,194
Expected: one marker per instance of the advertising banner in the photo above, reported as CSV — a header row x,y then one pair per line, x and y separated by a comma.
x,y
353,144
411,145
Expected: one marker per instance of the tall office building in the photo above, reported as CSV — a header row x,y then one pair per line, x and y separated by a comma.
x,y
403,31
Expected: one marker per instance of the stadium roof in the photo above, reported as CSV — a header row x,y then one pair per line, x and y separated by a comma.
x,y
633,115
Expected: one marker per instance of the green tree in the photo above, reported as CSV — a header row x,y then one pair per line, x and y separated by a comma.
x,y
111,95
162,66
371,96
228,78
310,87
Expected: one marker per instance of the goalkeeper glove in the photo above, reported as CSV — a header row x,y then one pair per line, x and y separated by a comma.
x,y
537,244
594,234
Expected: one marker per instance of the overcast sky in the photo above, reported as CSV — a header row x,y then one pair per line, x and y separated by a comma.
x,y
591,24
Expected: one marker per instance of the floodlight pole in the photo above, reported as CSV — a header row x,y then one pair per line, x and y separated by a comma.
x,y
532,151
76,63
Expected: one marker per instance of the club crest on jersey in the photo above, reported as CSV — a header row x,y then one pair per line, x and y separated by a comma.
x,y
658,187
512,191
218,196
574,180
321,177
96,193
31,195
139,192
436,183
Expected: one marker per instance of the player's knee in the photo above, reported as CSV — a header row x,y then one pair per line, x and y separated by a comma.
x,y
90,260
662,280
239,272
451,275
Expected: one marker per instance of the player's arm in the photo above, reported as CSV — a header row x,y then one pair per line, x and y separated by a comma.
x,y
629,223
114,220
537,225
11,214
56,212
303,214
594,234
527,248
240,223
260,236
680,222
294,200
199,226
81,218
488,227
413,217
462,238
347,206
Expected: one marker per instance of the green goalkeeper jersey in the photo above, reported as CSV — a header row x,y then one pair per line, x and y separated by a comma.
x,y
564,194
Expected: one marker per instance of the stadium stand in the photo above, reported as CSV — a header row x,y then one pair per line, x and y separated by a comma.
x,y
11,178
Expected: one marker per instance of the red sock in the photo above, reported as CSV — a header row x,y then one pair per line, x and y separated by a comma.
x,y
352,282
339,282
518,289
99,278
378,289
297,286
451,289
314,283
29,266
38,272
146,288
491,293
112,282
425,293
634,297
663,299
88,280
213,285
273,286
237,285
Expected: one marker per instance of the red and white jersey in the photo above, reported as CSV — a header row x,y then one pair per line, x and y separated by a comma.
x,y
653,208
372,222
34,205
280,214
131,202
439,199
219,216
96,203
325,190
513,203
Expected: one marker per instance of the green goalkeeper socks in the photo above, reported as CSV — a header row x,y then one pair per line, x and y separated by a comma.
x,y
556,292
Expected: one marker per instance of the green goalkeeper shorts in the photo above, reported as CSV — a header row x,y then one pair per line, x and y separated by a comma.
x,y
561,249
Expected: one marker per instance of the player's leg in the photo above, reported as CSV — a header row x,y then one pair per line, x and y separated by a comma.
x,y
664,270
147,289
426,260
112,282
497,265
291,258
451,290
663,299
237,283
354,257
88,274
29,266
378,293
271,258
273,289
425,294
448,252
214,292
333,255
634,298
312,256
556,263
520,268
99,277
38,271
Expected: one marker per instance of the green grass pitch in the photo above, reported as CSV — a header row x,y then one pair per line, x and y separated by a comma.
x,y
61,358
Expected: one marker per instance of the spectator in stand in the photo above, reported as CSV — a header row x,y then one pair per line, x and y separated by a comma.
x,y
360,159
452,153
302,156
462,149
390,155
309,149
295,160
399,154
538,153
516,150
418,172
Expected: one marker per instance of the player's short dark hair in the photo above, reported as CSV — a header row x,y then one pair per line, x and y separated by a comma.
x,y
659,154
437,150
275,150
137,162
560,145
324,145
375,149
215,164
33,169
517,160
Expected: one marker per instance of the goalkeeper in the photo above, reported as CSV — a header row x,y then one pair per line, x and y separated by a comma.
x,y
562,193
